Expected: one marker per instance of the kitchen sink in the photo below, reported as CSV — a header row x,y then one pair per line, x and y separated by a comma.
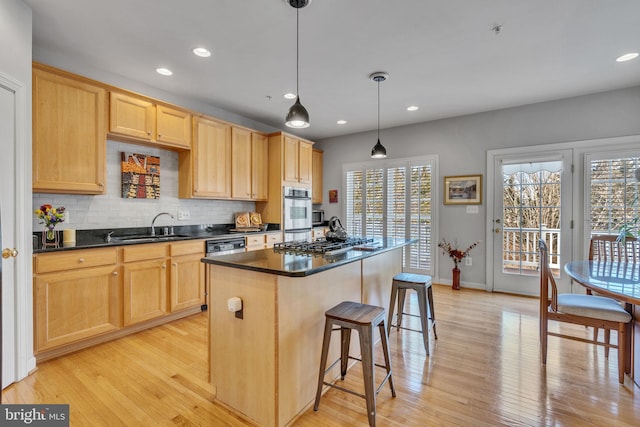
x,y
149,238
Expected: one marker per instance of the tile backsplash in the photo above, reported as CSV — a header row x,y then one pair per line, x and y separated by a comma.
x,y
110,210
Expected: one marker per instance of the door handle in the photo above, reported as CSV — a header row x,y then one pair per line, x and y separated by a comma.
x,y
6,253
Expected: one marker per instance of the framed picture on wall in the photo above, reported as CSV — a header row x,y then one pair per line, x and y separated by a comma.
x,y
463,190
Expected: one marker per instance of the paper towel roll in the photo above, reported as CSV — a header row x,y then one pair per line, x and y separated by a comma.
x,y
68,236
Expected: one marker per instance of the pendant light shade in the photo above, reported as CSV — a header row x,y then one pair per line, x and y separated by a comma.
x,y
378,151
298,116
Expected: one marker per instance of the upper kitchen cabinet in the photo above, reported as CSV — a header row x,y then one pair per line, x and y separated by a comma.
x,y
316,170
205,171
138,119
294,158
69,133
259,166
249,164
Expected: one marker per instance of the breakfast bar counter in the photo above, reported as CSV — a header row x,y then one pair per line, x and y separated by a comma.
x,y
264,362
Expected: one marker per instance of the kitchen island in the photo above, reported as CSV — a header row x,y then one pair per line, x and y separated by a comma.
x,y
265,364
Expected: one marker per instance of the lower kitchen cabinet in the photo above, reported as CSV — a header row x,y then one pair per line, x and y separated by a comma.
x,y
144,283
84,297
187,275
76,296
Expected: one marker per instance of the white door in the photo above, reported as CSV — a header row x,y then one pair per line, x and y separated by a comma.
x,y
7,212
532,200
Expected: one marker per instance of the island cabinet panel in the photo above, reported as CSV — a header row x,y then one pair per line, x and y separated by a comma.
x,y
69,133
74,305
243,351
377,275
265,365
302,303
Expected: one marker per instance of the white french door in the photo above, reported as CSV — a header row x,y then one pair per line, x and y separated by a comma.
x,y
532,200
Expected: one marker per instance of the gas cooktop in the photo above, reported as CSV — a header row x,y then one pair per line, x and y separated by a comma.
x,y
321,246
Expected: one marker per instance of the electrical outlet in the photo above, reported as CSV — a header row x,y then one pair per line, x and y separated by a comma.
x,y
468,261
67,217
183,215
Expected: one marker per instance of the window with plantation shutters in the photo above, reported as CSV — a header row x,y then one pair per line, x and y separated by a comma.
x,y
394,199
614,190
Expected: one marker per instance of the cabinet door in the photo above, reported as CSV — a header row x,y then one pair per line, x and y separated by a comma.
x,y
305,162
212,159
316,170
259,167
240,163
69,135
173,127
74,305
187,282
131,116
145,290
290,159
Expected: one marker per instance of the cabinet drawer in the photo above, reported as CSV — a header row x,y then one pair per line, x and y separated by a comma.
x,y
70,260
273,238
144,252
255,241
187,248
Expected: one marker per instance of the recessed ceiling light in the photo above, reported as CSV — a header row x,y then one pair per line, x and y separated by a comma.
x,y
202,52
164,71
412,108
342,122
627,57
290,95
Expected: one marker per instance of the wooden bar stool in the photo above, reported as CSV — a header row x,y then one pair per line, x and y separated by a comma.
x,y
422,285
363,318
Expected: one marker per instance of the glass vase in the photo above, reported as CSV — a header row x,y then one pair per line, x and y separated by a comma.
x,y
50,238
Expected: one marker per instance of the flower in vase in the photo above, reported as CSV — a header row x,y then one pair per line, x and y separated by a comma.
x,y
457,255
50,216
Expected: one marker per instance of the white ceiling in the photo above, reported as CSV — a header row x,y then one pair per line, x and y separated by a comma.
x,y
441,55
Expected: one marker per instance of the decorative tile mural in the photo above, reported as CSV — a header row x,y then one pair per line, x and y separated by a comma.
x,y
140,176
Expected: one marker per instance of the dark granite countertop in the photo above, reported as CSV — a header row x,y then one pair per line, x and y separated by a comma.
x,y
97,238
274,261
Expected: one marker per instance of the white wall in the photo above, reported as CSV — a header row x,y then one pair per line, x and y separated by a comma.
x,y
112,211
15,66
462,143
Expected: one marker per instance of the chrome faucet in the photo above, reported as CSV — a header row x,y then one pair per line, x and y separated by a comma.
x,y
153,227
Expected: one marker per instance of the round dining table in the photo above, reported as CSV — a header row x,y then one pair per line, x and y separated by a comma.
x,y
620,281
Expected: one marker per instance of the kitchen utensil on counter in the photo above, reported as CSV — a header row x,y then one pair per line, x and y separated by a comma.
x,y
336,232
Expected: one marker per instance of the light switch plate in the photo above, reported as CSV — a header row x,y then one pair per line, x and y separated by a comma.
x,y
472,209
183,215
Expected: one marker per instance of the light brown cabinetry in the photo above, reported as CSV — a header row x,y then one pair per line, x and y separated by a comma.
x,y
69,133
290,160
205,171
144,282
144,120
316,170
259,166
76,296
297,160
261,241
187,275
249,165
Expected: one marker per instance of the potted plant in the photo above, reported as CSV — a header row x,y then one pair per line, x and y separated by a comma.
x,y
457,255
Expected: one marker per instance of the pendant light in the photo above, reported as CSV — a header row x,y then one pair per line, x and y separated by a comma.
x,y
298,116
378,151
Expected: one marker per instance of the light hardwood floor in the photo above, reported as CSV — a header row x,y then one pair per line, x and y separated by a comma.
x,y
484,370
